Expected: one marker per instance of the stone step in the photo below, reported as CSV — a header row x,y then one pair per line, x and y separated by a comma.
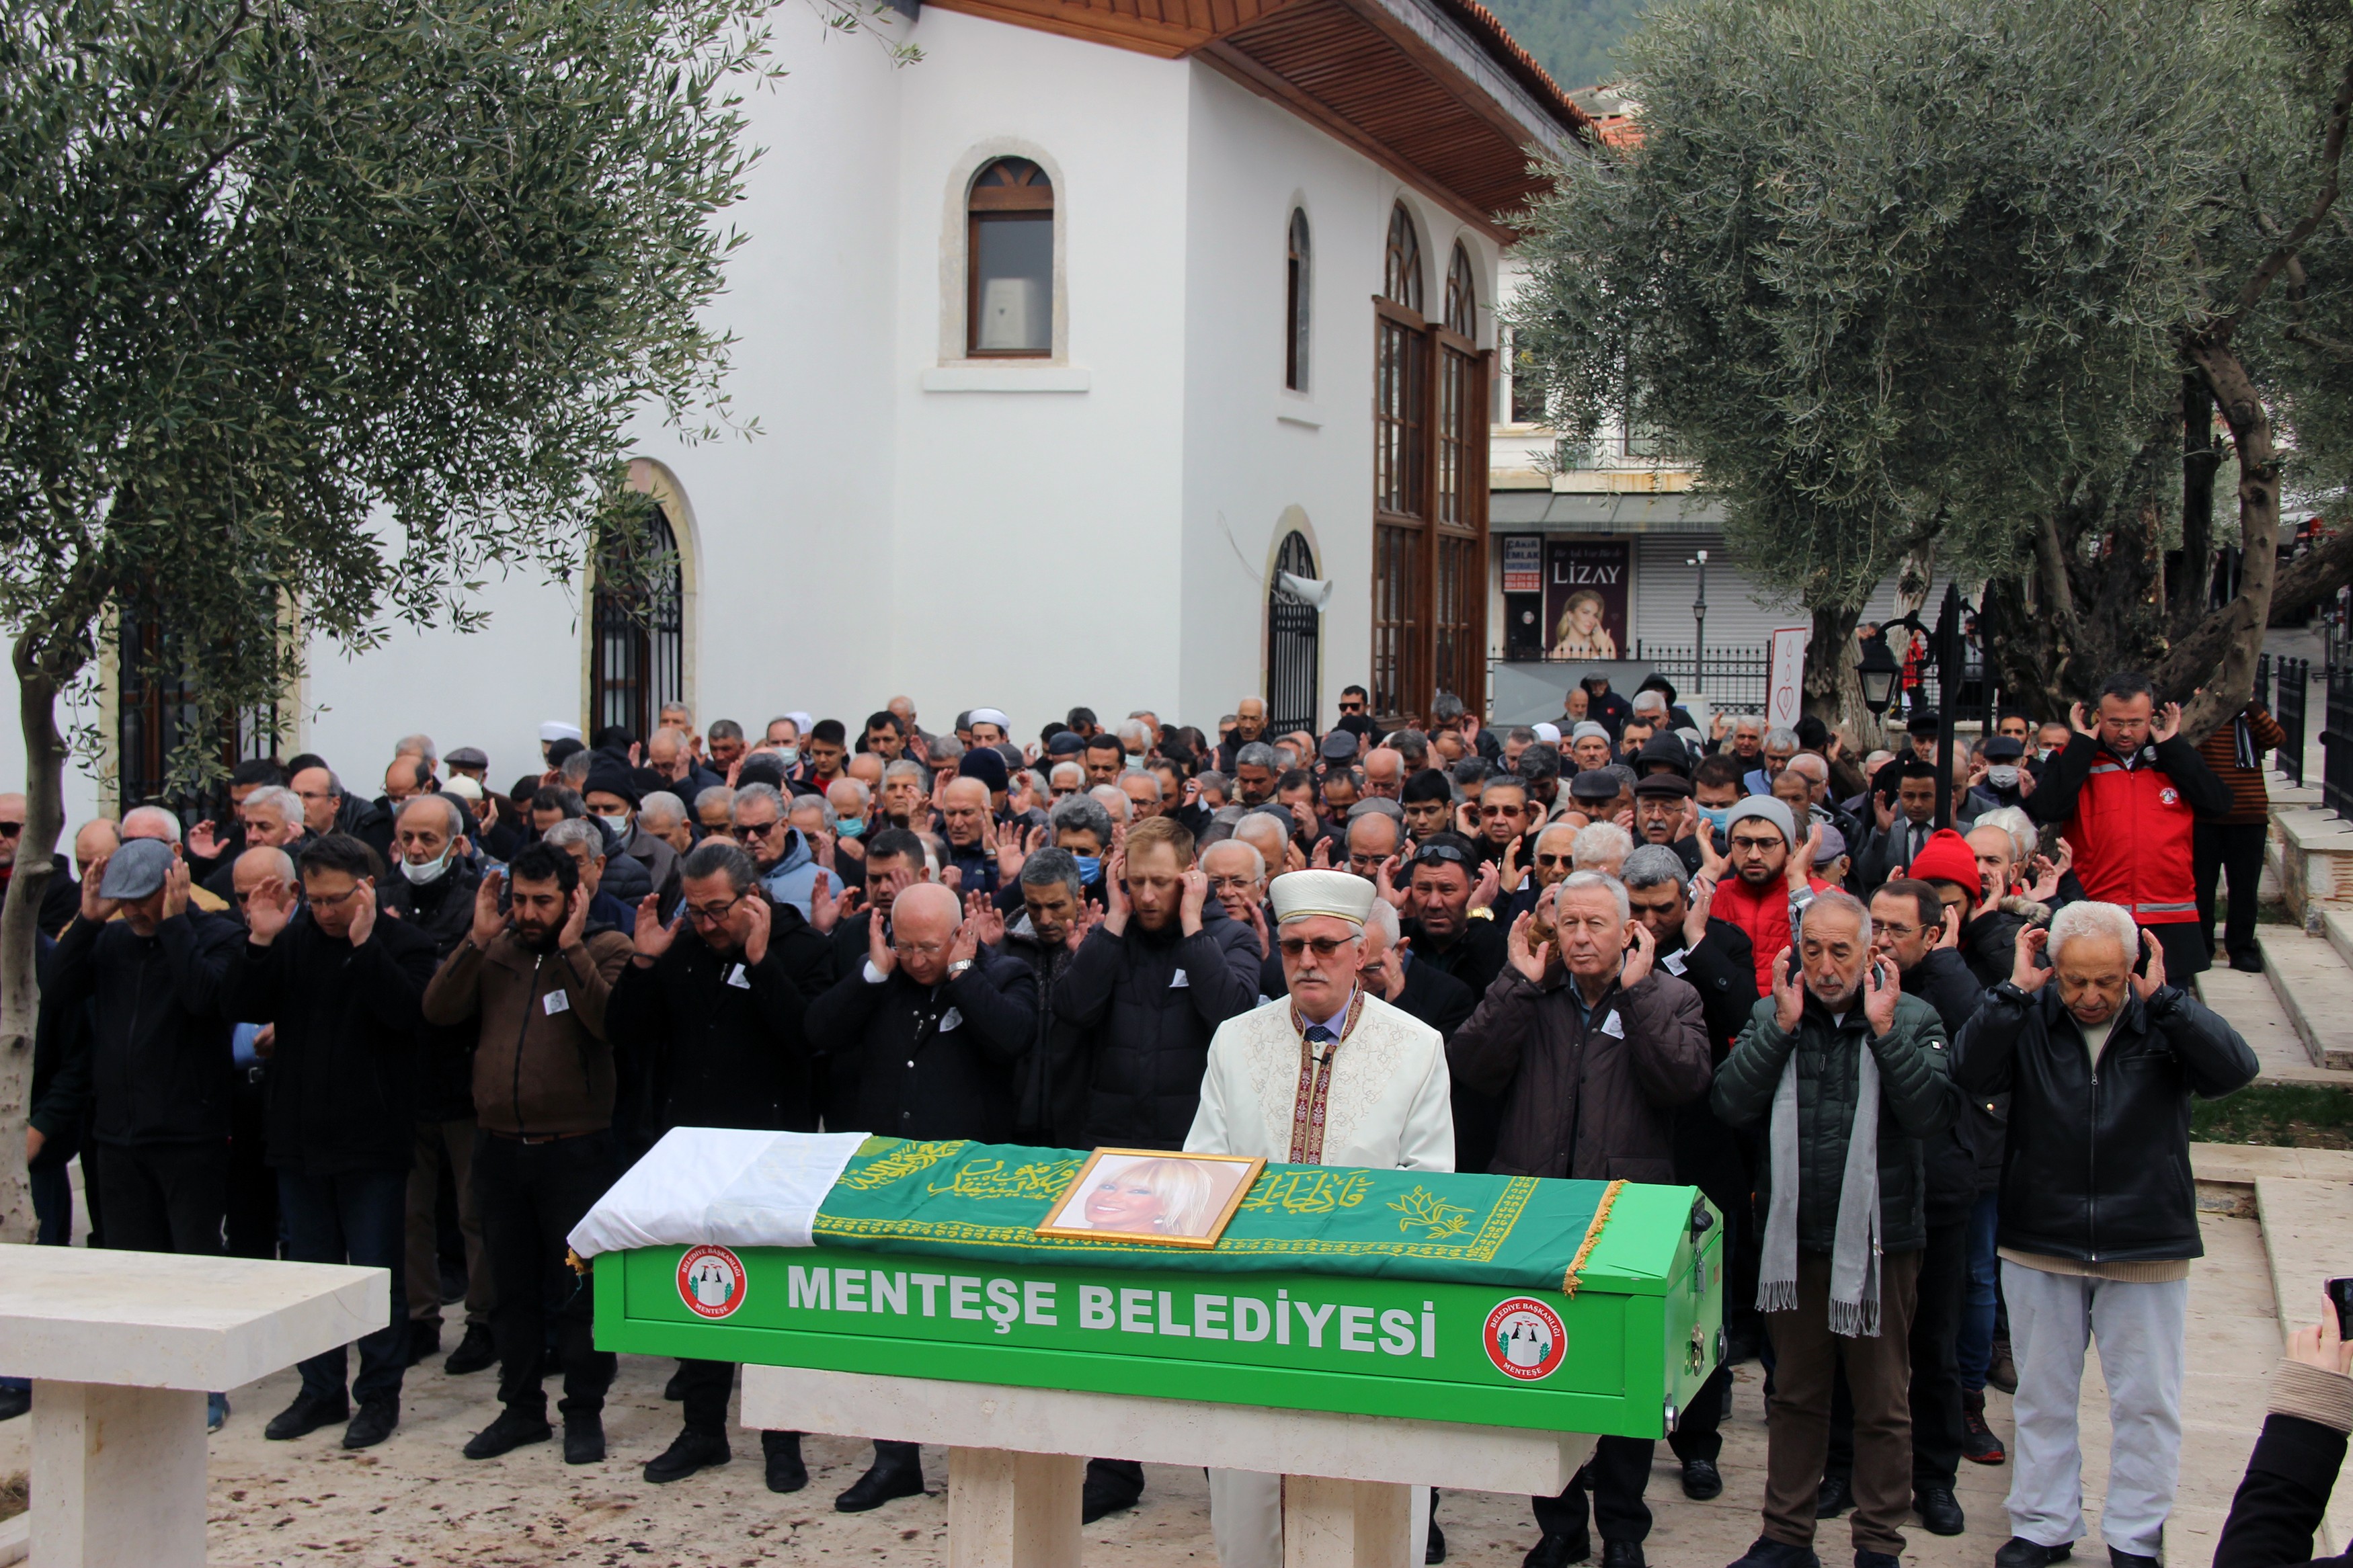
x,y
2315,984
2250,1006
2337,930
2311,852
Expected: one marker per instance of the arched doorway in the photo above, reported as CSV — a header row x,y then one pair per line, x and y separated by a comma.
x,y
1294,642
637,640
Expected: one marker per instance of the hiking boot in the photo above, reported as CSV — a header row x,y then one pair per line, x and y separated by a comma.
x,y
2000,1370
1980,1443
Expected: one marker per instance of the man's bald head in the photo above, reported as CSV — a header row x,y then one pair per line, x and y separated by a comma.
x,y
927,906
97,839
258,866
1384,771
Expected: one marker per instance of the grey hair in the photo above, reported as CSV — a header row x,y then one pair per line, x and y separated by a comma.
x,y
1256,754
1151,779
865,795
1653,701
2013,820
1782,738
1653,866
1075,769
1135,735
1578,881
1114,802
905,768
752,792
418,746
1082,814
661,805
574,770
1806,764
288,805
723,793
1597,842
1054,864
1839,898
1384,919
1550,829
455,816
1748,722
1211,779
946,749
1446,708
2090,919
169,824
576,830
816,802
717,857
1258,861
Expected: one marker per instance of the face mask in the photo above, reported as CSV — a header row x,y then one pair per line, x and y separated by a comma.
x,y
1719,818
788,755
1089,868
2002,776
431,871
849,829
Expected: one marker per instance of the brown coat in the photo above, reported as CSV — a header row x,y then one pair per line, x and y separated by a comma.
x,y
1578,1101
536,1073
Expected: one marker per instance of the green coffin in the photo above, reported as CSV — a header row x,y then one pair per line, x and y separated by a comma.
x,y
1433,1297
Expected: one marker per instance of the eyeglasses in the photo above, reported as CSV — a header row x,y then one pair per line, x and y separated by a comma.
x,y
911,950
757,829
1347,707
713,914
1552,861
1756,846
1324,946
1493,812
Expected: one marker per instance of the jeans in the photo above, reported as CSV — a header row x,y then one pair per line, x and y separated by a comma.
x,y
529,1196
1973,1346
354,1217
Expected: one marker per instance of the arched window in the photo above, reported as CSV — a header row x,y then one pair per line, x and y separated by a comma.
x,y
1401,271
638,647
1294,305
1461,296
1010,256
1293,637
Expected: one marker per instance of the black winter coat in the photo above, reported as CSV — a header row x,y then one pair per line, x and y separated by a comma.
x,y
1052,1102
2284,1497
1149,1002
442,912
341,1084
1474,960
1943,981
1711,1156
932,1061
1916,1101
159,1068
705,1039
2098,1163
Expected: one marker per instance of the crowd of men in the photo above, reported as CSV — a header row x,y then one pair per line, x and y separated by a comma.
x,y
1935,1077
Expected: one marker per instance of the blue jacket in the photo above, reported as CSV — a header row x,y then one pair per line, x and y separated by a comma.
x,y
790,880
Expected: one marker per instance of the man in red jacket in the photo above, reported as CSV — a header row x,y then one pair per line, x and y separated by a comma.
x,y
2128,791
1771,876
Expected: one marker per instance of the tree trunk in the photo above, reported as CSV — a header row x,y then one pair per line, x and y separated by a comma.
x,y
2242,623
1833,691
2200,457
20,997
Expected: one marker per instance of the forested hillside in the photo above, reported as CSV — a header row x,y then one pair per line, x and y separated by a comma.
x,y
1570,39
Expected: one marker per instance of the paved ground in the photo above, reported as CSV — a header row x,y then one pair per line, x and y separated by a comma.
x,y
416,1501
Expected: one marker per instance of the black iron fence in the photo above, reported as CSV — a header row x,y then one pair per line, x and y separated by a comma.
x,y
2337,746
2294,684
1733,678
2262,693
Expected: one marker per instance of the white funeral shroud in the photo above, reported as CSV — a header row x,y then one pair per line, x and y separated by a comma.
x,y
723,1186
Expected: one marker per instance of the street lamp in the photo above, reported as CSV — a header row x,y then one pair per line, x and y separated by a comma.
x,y
1699,625
1879,673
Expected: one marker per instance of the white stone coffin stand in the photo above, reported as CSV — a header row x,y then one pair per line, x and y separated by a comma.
x,y
121,1347
1017,1457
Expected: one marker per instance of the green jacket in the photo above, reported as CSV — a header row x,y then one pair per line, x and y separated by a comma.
x,y
1917,1099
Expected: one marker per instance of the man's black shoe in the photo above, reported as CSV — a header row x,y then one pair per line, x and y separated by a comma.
x,y
887,1478
474,1351
1621,1554
1835,1497
14,1402
1433,1549
1558,1550
689,1451
1742,1342
584,1439
424,1340
1938,1510
511,1430
675,1389
2119,1558
1102,1495
373,1423
1864,1559
1702,1479
2245,963
781,1451
304,1416
1767,1553
2019,1553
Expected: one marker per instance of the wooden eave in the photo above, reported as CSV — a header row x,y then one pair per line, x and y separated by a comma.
x,y
1433,90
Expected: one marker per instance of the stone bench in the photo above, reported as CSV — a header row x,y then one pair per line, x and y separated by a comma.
x,y
122,1348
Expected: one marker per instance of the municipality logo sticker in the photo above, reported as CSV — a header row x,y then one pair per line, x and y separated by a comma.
x,y
1524,1339
710,1282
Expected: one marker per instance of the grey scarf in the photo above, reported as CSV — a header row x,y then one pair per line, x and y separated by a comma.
x,y
1854,1252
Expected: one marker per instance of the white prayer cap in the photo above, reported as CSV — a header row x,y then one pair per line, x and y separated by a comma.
x,y
1341,895
1548,734
553,731
801,719
993,716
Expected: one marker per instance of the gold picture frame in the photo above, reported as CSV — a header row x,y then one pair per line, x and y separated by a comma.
x,y
1175,1200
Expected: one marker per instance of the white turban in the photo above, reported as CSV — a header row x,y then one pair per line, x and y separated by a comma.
x,y
992,716
1341,895
1548,734
552,731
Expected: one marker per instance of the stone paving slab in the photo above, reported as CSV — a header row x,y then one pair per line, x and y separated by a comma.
x,y
2253,1008
2314,986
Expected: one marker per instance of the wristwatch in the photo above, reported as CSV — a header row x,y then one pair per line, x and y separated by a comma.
x,y
958,967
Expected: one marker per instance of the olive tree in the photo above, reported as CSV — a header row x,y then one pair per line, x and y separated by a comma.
x,y
315,314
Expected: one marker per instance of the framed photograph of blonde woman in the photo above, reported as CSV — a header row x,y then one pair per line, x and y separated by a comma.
x,y
1151,1195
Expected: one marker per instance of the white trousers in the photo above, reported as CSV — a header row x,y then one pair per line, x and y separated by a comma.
x,y
2140,1331
1246,1519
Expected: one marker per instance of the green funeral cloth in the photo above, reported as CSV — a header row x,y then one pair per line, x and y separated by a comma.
x,y
984,1201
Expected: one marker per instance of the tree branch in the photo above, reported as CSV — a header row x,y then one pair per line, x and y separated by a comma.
x,y
2332,156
